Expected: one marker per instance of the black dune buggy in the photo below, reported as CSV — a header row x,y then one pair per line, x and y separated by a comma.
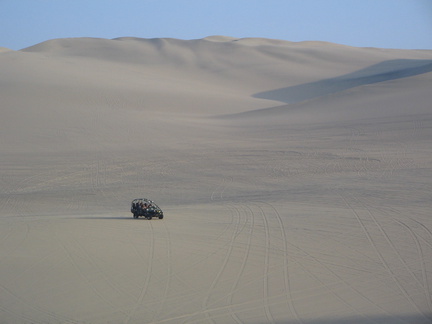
x,y
145,208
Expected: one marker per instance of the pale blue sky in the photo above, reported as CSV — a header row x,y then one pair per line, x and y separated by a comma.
x,y
364,23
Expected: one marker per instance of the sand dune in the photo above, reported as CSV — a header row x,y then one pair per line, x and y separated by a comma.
x,y
294,177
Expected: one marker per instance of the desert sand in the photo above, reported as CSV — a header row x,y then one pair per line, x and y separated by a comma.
x,y
295,179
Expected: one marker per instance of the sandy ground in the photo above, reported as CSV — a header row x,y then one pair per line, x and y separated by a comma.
x,y
295,179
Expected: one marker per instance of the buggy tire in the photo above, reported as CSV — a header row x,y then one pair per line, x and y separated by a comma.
x,y
148,217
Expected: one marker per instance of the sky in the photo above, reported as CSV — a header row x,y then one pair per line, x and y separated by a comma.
x,y
404,24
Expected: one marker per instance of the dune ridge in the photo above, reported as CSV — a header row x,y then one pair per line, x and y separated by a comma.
x,y
4,49
130,79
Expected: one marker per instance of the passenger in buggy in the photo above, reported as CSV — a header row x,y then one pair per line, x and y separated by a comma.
x,y
146,208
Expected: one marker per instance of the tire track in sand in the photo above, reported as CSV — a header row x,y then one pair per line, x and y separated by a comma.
x,y
324,284
76,266
31,319
148,277
406,266
382,259
165,297
192,265
245,258
425,284
217,193
266,292
223,266
286,275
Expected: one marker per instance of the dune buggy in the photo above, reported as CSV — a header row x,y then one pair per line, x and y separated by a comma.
x,y
142,207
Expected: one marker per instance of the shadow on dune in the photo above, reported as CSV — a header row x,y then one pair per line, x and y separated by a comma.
x,y
109,217
117,218
384,71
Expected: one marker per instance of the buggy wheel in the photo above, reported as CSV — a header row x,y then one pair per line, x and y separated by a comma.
x,y
149,217
160,216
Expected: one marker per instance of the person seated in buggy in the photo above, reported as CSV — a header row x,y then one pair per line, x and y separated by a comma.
x,y
145,207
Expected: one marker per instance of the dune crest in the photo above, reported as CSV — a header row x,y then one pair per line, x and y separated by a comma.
x,y
219,38
4,49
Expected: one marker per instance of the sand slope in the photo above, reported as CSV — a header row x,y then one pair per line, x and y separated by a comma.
x,y
295,180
